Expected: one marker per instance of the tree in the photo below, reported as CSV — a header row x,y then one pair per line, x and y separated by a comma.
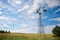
x,y
8,31
1,31
56,31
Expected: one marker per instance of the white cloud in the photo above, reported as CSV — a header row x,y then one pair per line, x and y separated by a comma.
x,y
41,1
26,30
56,11
32,17
1,5
43,17
1,12
17,2
33,7
11,2
7,18
24,25
58,24
56,19
6,6
49,29
3,25
25,7
14,2
52,3
2,17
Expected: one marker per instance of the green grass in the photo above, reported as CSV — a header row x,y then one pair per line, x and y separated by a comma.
x,y
25,37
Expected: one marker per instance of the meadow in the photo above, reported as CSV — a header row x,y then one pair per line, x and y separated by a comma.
x,y
16,36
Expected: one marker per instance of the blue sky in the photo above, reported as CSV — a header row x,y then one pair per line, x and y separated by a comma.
x,y
21,16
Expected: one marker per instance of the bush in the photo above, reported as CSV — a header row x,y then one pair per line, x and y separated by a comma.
x,y
56,31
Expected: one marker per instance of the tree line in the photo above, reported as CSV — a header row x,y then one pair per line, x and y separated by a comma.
x,y
2,31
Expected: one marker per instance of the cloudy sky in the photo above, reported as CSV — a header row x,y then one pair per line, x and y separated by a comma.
x,y
21,16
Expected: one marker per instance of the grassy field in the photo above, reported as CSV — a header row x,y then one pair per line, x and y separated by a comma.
x,y
14,36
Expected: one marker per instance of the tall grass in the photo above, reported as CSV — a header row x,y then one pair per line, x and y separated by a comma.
x,y
27,37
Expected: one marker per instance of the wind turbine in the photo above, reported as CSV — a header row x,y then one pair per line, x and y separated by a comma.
x,y
40,21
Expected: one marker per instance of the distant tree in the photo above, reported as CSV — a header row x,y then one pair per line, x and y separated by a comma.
x,y
8,31
1,31
5,31
56,31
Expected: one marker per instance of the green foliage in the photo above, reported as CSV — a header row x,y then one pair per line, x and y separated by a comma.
x,y
2,31
56,31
